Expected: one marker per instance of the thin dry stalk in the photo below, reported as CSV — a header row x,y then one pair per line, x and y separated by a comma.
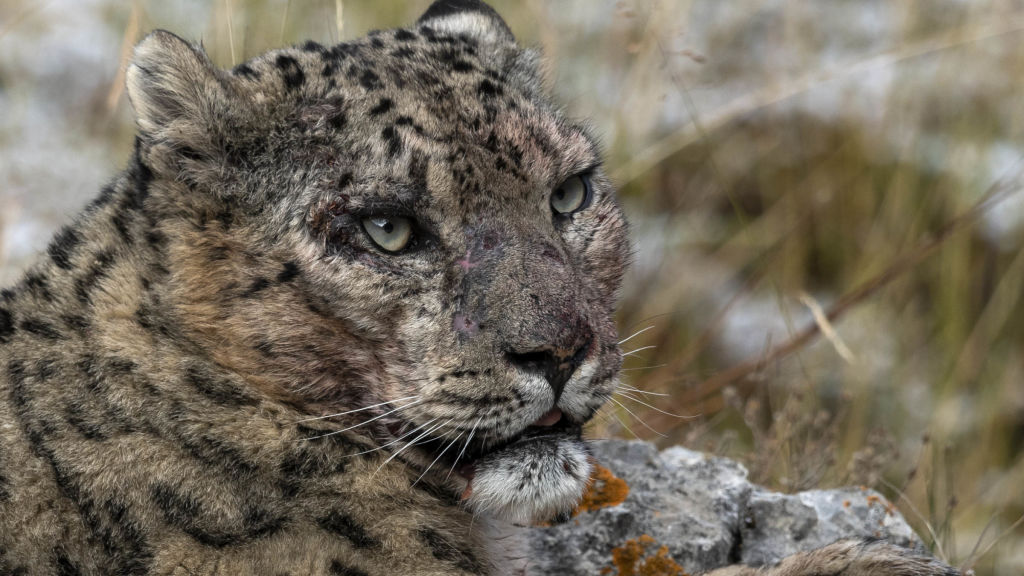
x,y
927,525
826,327
900,266
231,31
969,564
131,35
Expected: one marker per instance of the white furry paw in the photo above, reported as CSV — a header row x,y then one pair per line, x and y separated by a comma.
x,y
531,481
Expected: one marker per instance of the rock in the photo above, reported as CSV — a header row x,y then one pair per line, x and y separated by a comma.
x,y
686,512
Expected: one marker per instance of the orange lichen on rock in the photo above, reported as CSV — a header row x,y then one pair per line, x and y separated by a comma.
x,y
890,508
634,558
604,491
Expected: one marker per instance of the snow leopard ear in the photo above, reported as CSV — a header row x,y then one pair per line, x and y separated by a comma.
x,y
172,84
470,17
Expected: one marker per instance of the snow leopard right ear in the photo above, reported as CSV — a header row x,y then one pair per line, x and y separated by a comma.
x,y
172,85
471,17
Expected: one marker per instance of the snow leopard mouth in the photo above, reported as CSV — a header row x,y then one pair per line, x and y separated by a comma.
x,y
534,476
446,454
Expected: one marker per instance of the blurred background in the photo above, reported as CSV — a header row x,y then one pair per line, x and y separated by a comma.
x,y
825,204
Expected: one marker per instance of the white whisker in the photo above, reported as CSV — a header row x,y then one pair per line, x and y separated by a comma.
x,y
656,409
363,423
641,349
464,446
632,389
397,440
450,444
426,432
635,334
642,368
623,424
357,409
637,418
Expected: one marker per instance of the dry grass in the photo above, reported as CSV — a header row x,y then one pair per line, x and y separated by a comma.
x,y
775,157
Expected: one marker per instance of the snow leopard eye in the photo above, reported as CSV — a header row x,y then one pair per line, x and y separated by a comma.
x,y
391,233
572,196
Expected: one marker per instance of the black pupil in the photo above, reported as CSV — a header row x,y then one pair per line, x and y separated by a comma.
x,y
560,194
387,227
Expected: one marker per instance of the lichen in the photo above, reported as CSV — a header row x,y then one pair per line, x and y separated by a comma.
x,y
635,558
604,490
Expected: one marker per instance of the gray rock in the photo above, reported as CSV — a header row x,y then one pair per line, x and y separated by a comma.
x,y
706,514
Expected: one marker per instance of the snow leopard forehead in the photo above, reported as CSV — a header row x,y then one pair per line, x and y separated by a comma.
x,y
453,89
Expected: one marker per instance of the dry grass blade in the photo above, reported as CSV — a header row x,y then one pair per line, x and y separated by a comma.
x,y
339,18
284,22
131,34
826,327
231,31
971,561
928,526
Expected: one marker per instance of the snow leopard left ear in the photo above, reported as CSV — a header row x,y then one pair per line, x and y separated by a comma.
x,y
470,17
170,81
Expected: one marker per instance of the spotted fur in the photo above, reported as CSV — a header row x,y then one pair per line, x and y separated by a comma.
x,y
214,370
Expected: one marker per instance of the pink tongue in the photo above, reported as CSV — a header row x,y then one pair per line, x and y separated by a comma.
x,y
467,471
550,418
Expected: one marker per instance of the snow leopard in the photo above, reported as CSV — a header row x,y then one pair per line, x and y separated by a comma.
x,y
346,309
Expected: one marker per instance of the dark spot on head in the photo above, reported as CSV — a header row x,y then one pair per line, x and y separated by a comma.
x,y
339,569
265,348
336,118
382,107
63,245
99,269
256,287
64,565
47,368
369,80
41,328
489,89
311,46
104,198
393,140
461,65
7,327
245,71
288,273
38,286
292,73
76,322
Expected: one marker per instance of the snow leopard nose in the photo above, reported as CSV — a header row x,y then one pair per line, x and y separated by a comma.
x,y
556,364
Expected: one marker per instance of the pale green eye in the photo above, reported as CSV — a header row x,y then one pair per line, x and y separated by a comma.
x,y
571,196
391,233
